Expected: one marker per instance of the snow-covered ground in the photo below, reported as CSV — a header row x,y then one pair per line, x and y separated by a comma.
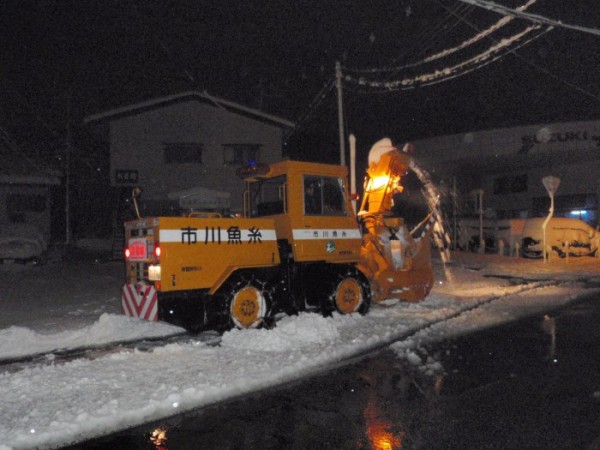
x,y
70,304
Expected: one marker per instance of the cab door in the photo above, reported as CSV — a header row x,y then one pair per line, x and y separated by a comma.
x,y
329,229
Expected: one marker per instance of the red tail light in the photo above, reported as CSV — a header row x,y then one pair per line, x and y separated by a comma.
x,y
157,250
127,253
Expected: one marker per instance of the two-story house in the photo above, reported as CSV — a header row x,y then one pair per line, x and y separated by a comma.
x,y
183,150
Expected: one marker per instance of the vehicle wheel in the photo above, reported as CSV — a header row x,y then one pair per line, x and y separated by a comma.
x,y
245,302
349,293
248,307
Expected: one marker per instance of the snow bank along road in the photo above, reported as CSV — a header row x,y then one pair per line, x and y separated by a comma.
x,y
55,403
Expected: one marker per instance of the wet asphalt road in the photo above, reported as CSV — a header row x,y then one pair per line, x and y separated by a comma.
x,y
534,384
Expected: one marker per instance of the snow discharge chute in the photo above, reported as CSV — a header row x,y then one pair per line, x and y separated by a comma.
x,y
396,260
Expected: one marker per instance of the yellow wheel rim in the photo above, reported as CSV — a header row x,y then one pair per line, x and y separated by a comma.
x,y
248,307
348,296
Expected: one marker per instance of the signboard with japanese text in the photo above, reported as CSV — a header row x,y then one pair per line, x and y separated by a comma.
x,y
126,176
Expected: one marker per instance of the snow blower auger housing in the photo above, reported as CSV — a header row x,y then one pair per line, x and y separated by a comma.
x,y
297,247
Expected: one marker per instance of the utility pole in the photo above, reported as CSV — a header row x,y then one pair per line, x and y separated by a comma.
x,y
454,213
338,85
68,172
352,141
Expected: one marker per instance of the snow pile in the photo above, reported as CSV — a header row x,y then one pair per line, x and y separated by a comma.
x,y
18,341
291,333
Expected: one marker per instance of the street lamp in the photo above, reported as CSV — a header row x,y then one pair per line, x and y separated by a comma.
x,y
551,184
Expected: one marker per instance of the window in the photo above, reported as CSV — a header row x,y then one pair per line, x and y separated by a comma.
x,y
183,152
267,197
324,196
240,154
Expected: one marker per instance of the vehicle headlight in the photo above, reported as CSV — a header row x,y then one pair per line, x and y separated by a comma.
x,y
154,272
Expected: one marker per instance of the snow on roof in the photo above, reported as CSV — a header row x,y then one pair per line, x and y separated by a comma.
x,y
199,96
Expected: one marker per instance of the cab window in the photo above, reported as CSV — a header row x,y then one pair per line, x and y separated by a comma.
x,y
324,196
267,197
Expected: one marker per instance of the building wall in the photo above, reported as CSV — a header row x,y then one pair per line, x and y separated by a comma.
x,y
528,140
137,144
486,159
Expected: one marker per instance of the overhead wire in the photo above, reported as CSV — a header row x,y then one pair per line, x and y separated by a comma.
x,y
531,63
426,39
474,39
446,52
447,29
329,84
312,107
535,18
466,66
10,142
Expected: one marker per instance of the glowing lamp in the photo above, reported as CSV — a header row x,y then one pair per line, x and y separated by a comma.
x,y
379,182
154,272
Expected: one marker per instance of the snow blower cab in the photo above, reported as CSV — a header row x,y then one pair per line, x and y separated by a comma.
x,y
396,260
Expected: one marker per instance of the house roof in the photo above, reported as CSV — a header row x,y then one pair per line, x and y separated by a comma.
x,y
18,168
185,96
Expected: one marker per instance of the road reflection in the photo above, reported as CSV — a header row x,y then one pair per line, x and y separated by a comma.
x,y
158,437
401,395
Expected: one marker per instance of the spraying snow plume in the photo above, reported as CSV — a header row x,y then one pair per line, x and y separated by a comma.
x,y
432,196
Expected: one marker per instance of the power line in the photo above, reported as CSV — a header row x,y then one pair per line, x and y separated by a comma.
x,y
10,142
536,18
482,34
312,107
442,29
450,72
446,52
531,63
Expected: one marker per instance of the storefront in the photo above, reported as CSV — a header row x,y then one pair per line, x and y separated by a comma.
x,y
506,167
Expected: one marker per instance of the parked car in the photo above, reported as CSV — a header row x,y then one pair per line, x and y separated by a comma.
x,y
509,231
563,235
21,243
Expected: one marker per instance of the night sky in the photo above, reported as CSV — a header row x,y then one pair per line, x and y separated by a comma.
x,y
277,55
